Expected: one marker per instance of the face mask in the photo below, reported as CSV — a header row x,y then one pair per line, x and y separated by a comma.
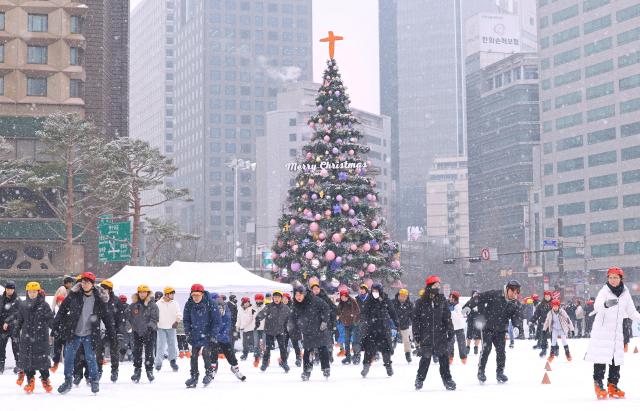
x,y
375,294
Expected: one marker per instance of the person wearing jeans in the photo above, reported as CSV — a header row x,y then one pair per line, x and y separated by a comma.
x,y
169,317
77,323
201,320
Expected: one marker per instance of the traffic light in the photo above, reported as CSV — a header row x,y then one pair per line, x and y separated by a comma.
x,y
474,259
449,261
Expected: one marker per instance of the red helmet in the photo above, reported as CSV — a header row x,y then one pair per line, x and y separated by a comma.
x,y
455,295
123,298
535,297
548,293
87,275
615,270
344,293
259,297
287,296
555,303
432,280
245,300
197,288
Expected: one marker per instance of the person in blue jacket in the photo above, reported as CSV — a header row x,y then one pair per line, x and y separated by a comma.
x,y
201,320
224,342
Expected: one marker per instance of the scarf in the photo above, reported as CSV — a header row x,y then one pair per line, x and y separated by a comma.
x,y
617,291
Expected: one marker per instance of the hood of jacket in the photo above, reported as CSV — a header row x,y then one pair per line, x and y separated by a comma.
x,y
135,298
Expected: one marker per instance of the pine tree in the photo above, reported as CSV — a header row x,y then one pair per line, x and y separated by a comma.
x,y
333,228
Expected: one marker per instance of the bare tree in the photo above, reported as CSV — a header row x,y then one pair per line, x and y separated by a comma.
x,y
161,234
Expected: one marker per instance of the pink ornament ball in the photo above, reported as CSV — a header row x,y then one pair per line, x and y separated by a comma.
x,y
324,172
322,236
329,255
336,238
371,268
294,248
308,255
353,247
376,247
370,197
311,182
292,221
339,260
327,139
351,152
355,199
395,264
327,213
374,223
314,227
309,156
280,243
317,217
361,273
352,212
345,207
366,247
339,197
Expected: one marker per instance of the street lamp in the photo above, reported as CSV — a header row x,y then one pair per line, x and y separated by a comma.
x,y
237,164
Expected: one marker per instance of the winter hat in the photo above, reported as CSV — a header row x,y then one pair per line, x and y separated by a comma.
x,y
344,293
197,288
123,298
298,289
555,303
233,298
455,295
377,287
432,280
107,284
33,286
615,270
169,290
403,291
214,296
10,284
87,275
258,297
158,295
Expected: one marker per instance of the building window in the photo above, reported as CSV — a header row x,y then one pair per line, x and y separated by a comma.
x,y
37,86
573,230
630,106
608,180
598,68
631,200
600,159
548,212
547,148
1,85
293,137
628,36
568,121
1,20
76,24
630,153
604,227
566,35
567,78
292,152
38,22
570,187
569,99
569,165
601,113
566,57
632,247
601,136
603,204
598,46
1,53
631,224
628,13
548,190
75,56
570,209
600,90
37,54
631,176
530,73
564,14
629,82
588,5
75,88
597,24
569,143
548,169
605,250
629,59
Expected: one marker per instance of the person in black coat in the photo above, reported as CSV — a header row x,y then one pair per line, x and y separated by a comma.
x,y
9,304
276,316
376,318
119,318
404,310
310,316
77,323
314,285
497,307
232,305
143,315
539,317
432,331
473,332
32,323
295,338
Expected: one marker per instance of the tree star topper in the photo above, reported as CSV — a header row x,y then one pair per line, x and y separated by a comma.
x,y
331,39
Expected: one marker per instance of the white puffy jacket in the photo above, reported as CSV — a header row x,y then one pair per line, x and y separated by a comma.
x,y
459,322
606,341
246,319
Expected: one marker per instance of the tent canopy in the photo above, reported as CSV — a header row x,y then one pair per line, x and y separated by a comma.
x,y
222,278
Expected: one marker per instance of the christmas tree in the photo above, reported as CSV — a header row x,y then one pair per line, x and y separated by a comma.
x,y
333,228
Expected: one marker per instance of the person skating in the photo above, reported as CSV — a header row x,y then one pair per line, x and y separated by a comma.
x,y
432,331
588,318
275,316
606,345
63,290
259,340
119,319
9,305
531,308
539,316
376,318
143,317
314,286
296,337
245,324
348,314
77,324
403,307
223,343
201,320
497,307
169,316
32,322
579,318
233,307
310,316
559,324
458,328
57,343
473,332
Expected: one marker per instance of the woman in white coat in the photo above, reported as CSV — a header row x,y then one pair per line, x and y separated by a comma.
x,y
606,345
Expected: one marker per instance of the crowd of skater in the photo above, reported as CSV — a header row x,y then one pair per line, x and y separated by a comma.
x,y
87,323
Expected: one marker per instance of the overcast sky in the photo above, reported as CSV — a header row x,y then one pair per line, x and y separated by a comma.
x,y
357,54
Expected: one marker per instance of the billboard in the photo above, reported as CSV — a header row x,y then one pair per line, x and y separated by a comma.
x,y
492,33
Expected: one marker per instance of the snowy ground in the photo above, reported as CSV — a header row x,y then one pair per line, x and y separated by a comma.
x,y
571,384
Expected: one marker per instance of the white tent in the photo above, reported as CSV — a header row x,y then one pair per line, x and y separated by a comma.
x,y
222,278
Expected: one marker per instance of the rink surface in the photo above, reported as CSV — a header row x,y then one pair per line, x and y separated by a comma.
x,y
571,385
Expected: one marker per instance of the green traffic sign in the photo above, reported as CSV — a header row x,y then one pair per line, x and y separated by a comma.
x,y
114,240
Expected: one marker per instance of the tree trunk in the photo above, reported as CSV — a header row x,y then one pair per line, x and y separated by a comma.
x,y
135,237
68,220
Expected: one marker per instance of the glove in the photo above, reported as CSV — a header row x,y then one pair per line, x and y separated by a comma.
x,y
610,303
466,311
323,326
174,325
257,324
516,332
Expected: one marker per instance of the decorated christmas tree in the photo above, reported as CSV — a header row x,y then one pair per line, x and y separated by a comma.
x,y
333,228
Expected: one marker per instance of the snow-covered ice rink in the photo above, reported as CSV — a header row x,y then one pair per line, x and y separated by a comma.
x,y
571,386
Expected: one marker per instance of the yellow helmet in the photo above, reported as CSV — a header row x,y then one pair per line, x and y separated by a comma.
x,y
403,291
277,292
168,290
144,288
33,286
421,292
107,283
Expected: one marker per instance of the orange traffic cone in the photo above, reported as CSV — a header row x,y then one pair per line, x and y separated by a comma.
x,y
547,366
221,356
545,379
635,350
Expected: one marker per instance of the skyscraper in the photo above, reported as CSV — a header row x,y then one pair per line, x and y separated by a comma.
x,y
422,90
590,99
232,57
